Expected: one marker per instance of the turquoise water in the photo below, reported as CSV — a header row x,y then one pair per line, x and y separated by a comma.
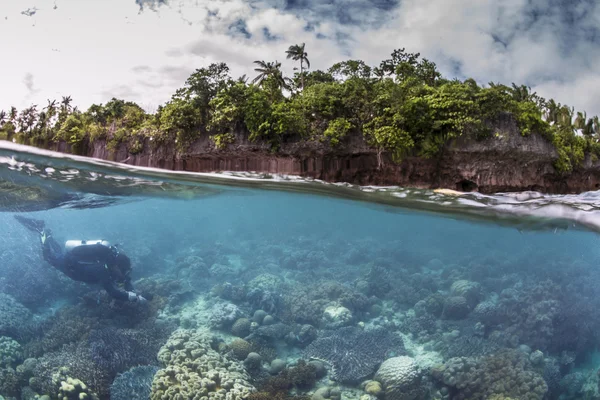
x,y
392,294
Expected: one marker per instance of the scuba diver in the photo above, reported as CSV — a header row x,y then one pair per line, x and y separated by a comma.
x,y
92,262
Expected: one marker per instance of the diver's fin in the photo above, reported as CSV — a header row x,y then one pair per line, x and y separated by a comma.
x,y
36,225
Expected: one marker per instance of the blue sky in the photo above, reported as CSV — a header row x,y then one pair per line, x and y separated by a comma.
x,y
143,50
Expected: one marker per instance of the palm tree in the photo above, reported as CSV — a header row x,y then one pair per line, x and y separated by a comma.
x,y
51,107
580,120
66,104
379,74
265,69
565,116
297,53
588,130
28,118
270,70
12,116
552,111
520,93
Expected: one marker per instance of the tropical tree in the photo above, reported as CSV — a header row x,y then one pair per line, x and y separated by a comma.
x,y
297,53
66,104
596,122
588,129
350,69
28,118
551,111
565,116
268,70
580,120
12,115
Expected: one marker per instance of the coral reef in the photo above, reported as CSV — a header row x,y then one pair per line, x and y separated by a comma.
x,y
193,369
354,353
224,315
456,307
400,378
15,319
134,384
66,326
241,327
74,389
507,373
98,359
10,352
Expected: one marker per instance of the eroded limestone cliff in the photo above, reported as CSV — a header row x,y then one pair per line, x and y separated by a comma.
x,y
505,162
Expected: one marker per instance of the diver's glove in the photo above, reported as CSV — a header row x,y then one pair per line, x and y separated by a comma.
x,y
136,298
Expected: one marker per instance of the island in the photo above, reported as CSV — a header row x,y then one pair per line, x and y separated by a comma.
x,y
398,123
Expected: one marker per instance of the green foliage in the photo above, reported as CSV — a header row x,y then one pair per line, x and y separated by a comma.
x,y
529,119
402,106
570,148
454,109
393,139
337,129
287,119
136,146
315,77
350,69
257,112
221,140
181,118
73,129
8,129
228,108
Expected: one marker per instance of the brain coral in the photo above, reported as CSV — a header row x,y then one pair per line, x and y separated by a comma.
x,y
354,353
400,377
507,373
193,370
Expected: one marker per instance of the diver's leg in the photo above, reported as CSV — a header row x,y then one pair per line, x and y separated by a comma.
x,y
52,250
36,225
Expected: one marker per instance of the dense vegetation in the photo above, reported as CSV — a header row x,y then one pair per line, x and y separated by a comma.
x,y
403,106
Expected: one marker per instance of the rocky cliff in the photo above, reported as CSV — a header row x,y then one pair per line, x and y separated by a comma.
x,y
505,162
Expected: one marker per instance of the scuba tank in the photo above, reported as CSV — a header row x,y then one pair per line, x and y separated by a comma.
x,y
72,244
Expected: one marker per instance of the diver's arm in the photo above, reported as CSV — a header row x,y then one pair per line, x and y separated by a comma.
x,y
115,292
128,285
123,295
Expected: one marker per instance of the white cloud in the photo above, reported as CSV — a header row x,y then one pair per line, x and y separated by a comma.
x,y
109,48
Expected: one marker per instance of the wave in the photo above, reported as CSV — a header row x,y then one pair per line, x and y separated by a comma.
x,y
35,179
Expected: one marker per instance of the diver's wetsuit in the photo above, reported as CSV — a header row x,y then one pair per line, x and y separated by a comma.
x,y
90,264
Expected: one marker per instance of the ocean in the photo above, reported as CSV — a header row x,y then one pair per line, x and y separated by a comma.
x,y
257,286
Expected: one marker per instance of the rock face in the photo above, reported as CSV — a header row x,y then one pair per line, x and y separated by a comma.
x,y
505,162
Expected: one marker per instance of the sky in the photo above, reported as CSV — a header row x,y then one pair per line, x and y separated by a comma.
x,y
143,50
